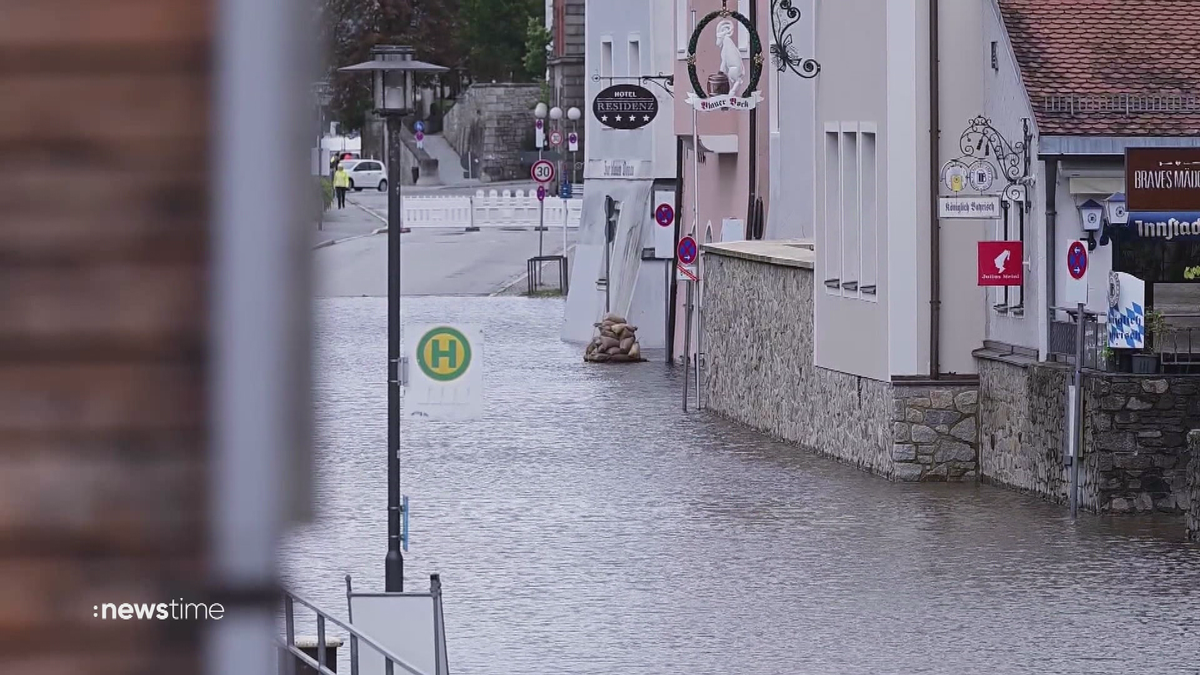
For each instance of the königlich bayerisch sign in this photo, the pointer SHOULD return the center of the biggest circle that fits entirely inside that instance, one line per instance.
(1162, 179)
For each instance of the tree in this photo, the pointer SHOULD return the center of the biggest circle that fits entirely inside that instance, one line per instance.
(350, 28)
(537, 39)
(494, 36)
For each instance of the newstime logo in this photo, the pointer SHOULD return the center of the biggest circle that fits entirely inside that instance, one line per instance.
(175, 610)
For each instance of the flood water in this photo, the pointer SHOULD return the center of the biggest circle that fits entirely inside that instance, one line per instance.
(586, 525)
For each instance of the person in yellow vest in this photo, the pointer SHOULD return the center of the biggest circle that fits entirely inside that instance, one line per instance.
(341, 183)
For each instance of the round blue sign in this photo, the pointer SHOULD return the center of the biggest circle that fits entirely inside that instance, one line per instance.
(687, 250)
(664, 215)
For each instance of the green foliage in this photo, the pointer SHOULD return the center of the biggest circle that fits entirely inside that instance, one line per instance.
(326, 193)
(1191, 272)
(494, 36)
(1156, 327)
(537, 39)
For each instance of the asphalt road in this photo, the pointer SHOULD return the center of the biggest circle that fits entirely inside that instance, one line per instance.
(433, 262)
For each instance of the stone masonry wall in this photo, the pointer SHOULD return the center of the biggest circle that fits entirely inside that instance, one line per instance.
(761, 373)
(1021, 417)
(493, 123)
(1137, 429)
(1193, 506)
(1135, 453)
(935, 432)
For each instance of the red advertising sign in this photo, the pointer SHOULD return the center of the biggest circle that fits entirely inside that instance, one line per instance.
(1001, 263)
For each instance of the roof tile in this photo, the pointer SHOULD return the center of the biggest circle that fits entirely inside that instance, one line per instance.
(1109, 67)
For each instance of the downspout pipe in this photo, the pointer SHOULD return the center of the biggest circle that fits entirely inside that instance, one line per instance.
(1051, 226)
(671, 310)
(751, 193)
(935, 224)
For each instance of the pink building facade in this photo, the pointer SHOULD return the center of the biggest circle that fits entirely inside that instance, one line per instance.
(728, 180)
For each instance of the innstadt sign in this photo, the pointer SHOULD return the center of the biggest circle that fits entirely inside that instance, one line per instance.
(725, 87)
(1162, 190)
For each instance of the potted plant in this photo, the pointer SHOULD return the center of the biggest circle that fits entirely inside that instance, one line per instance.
(1147, 363)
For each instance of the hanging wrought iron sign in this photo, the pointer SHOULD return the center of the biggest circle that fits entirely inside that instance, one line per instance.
(987, 155)
(725, 87)
(625, 106)
(785, 15)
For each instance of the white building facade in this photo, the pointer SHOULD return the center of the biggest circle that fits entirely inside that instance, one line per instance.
(628, 42)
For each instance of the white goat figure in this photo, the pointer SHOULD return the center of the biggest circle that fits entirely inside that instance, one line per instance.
(731, 58)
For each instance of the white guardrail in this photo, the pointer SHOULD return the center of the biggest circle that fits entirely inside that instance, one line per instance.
(491, 209)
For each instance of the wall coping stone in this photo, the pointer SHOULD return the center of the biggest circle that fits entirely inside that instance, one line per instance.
(785, 253)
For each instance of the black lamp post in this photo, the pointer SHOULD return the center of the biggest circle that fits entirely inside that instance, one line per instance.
(393, 68)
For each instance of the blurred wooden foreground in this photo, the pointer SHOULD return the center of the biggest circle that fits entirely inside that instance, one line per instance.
(104, 137)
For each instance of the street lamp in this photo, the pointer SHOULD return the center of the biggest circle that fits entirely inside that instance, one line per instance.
(394, 70)
(573, 114)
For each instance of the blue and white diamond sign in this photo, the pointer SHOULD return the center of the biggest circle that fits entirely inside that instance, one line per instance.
(1126, 311)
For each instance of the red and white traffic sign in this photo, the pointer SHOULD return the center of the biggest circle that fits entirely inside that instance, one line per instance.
(686, 273)
(664, 215)
(542, 171)
(688, 251)
(1077, 274)
(556, 138)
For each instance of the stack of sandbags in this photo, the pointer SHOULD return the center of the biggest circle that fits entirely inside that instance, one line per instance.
(616, 343)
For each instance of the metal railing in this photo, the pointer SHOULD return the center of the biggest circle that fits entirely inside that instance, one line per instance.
(320, 664)
(1095, 339)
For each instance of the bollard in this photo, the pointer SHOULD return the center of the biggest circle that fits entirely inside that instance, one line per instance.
(308, 645)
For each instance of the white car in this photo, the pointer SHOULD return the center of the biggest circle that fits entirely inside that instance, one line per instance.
(366, 173)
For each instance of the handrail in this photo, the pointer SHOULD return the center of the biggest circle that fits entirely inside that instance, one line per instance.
(289, 641)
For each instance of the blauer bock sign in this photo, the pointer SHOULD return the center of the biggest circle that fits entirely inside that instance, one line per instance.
(625, 106)
(1163, 226)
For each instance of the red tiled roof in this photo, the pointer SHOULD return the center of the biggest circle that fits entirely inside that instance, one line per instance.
(1084, 62)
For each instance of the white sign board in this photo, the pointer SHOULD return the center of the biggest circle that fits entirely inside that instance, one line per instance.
(984, 206)
(445, 373)
(733, 229)
(406, 624)
(663, 220)
(1126, 311)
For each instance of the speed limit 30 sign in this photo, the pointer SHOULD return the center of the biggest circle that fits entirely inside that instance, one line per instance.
(542, 171)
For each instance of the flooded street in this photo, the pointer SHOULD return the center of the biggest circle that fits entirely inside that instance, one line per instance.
(586, 525)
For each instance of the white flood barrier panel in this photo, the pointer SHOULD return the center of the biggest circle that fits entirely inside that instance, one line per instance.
(487, 209)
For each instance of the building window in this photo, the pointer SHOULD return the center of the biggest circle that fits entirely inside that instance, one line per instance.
(683, 30)
(560, 28)
(869, 204)
(606, 58)
(833, 214)
(1011, 227)
(635, 57)
(851, 222)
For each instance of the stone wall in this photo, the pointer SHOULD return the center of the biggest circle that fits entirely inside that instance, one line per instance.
(761, 373)
(491, 124)
(1135, 452)
(1193, 510)
(935, 431)
(1022, 417)
(1137, 428)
